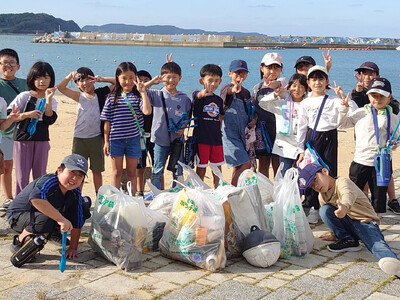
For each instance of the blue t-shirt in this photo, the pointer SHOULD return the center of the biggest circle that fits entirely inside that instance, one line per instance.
(47, 188)
(176, 105)
(207, 110)
(122, 122)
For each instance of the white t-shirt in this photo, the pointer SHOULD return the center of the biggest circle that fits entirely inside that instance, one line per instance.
(87, 124)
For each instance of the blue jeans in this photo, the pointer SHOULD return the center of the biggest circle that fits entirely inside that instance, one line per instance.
(287, 164)
(161, 154)
(347, 228)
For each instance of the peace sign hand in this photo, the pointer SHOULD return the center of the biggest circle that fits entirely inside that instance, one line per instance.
(360, 82)
(327, 59)
(140, 86)
(338, 90)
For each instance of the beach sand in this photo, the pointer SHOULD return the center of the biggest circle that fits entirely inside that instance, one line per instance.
(61, 135)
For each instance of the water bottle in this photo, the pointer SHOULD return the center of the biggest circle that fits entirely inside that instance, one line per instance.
(382, 167)
(28, 250)
(115, 238)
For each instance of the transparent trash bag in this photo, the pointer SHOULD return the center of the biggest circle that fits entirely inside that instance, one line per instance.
(291, 227)
(118, 228)
(195, 231)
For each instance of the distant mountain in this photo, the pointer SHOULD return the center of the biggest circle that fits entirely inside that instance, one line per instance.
(32, 23)
(158, 29)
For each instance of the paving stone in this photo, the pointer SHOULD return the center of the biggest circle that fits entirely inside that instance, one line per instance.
(309, 261)
(77, 294)
(271, 283)
(282, 293)
(295, 270)
(160, 287)
(146, 279)
(324, 272)
(364, 273)
(393, 288)
(236, 290)
(178, 273)
(219, 277)
(364, 254)
(358, 291)
(340, 262)
(161, 260)
(284, 276)
(32, 289)
(317, 285)
(326, 253)
(394, 244)
(71, 283)
(114, 284)
(380, 296)
(143, 295)
(207, 283)
(244, 268)
(186, 293)
(245, 279)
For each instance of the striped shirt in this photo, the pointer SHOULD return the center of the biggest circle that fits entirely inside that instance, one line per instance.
(122, 122)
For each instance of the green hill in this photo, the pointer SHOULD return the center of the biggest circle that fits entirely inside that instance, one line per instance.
(31, 23)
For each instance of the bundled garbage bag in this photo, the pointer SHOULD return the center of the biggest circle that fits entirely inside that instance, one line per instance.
(195, 231)
(118, 228)
(243, 208)
(291, 227)
(266, 187)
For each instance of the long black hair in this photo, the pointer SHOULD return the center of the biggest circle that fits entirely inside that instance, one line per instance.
(124, 67)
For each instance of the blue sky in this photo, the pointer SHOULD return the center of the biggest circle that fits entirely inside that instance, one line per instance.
(291, 17)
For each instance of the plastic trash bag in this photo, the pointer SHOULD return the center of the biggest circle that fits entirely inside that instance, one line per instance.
(291, 227)
(195, 231)
(118, 228)
(266, 187)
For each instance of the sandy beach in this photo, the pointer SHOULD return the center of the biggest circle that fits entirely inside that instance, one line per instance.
(61, 135)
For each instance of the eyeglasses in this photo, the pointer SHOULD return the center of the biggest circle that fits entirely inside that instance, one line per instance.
(9, 63)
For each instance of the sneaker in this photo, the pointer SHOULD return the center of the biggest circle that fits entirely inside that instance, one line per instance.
(345, 246)
(394, 206)
(313, 216)
(390, 265)
(56, 238)
(16, 245)
(5, 204)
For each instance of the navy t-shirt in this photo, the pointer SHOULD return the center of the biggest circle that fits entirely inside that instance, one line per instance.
(47, 188)
(207, 111)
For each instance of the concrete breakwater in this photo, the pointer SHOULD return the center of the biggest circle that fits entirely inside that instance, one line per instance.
(219, 41)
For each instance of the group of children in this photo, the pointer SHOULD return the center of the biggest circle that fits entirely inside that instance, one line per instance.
(276, 123)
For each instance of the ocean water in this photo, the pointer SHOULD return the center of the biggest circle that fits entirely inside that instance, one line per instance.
(103, 60)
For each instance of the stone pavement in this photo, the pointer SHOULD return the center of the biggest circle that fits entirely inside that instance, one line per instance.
(319, 275)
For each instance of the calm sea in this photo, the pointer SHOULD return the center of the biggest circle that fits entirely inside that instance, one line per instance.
(65, 58)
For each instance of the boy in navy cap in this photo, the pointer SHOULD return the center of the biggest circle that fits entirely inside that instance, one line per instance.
(348, 213)
(49, 203)
(362, 169)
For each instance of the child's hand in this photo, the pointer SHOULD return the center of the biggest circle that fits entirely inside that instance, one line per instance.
(360, 82)
(341, 212)
(33, 114)
(14, 113)
(106, 148)
(345, 101)
(274, 84)
(71, 253)
(74, 75)
(204, 93)
(300, 159)
(65, 225)
(140, 86)
(237, 86)
(327, 59)
(168, 58)
(338, 90)
(96, 78)
(180, 132)
(50, 93)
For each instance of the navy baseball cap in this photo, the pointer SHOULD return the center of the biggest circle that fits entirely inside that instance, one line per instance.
(368, 65)
(306, 60)
(381, 86)
(237, 65)
(76, 162)
(307, 175)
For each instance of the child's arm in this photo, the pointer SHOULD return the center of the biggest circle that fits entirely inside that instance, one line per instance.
(11, 118)
(146, 109)
(271, 102)
(46, 208)
(62, 87)
(106, 147)
(72, 250)
(156, 80)
(111, 80)
(49, 99)
(342, 209)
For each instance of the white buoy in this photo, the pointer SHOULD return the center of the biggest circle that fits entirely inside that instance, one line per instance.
(95, 59)
(149, 62)
(33, 55)
(192, 65)
(133, 61)
(115, 60)
(79, 58)
(58, 56)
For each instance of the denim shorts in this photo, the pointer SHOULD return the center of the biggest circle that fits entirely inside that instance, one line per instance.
(129, 147)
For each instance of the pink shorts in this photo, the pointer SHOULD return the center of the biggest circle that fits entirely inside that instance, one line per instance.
(209, 153)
